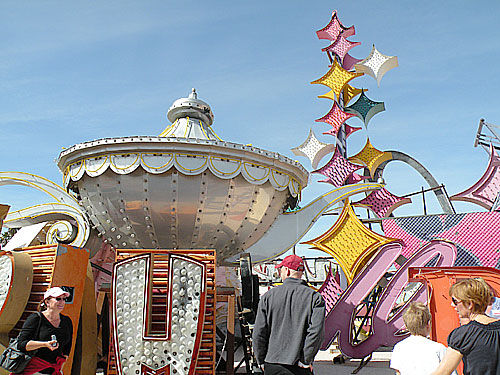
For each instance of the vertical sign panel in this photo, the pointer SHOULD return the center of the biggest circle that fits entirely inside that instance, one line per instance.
(139, 348)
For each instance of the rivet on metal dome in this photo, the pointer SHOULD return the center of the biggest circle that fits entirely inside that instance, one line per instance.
(190, 118)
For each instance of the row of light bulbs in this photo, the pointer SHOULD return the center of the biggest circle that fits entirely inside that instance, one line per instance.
(186, 286)
(5, 278)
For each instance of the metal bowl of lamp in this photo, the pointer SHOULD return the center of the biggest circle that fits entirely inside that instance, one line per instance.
(186, 188)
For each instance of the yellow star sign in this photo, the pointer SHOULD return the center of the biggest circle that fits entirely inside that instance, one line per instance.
(336, 78)
(348, 91)
(370, 157)
(350, 242)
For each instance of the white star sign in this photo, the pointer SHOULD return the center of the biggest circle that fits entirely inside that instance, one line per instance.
(313, 149)
(376, 64)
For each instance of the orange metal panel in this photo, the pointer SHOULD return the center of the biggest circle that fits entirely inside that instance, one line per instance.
(70, 270)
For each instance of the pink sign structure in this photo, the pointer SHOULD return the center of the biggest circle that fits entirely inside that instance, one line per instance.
(334, 29)
(336, 117)
(382, 202)
(337, 170)
(384, 328)
(350, 129)
(354, 178)
(341, 46)
(349, 62)
(474, 234)
(486, 189)
(331, 290)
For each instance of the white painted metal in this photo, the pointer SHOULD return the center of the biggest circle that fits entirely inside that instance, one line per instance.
(290, 227)
(24, 236)
(65, 208)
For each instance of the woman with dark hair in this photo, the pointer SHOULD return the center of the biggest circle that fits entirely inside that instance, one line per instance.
(477, 343)
(49, 333)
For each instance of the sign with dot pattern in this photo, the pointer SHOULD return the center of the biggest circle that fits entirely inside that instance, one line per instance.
(139, 351)
(5, 278)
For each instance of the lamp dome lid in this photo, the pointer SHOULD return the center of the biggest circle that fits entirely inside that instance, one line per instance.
(191, 107)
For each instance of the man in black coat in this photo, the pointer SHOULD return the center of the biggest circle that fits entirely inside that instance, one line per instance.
(289, 327)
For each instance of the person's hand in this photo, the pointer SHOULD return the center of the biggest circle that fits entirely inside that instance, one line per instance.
(302, 365)
(51, 346)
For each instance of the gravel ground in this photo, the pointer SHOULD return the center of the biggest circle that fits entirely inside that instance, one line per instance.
(379, 365)
(328, 368)
(323, 365)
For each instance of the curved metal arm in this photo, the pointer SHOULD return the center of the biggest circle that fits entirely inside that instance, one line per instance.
(65, 208)
(290, 227)
(442, 198)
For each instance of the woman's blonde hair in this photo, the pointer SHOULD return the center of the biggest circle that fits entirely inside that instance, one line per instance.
(417, 317)
(475, 291)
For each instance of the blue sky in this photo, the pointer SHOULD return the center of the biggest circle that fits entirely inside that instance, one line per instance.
(76, 71)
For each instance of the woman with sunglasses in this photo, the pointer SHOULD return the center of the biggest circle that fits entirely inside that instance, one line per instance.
(477, 343)
(49, 333)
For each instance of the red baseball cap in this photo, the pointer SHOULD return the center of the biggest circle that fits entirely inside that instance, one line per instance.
(293, 262)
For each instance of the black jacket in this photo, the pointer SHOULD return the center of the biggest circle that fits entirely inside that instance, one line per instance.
(290, 324)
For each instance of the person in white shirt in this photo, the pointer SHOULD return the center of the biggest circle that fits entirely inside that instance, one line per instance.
(417, 355)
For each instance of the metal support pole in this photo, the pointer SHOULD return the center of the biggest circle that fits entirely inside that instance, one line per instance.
(423, 200)
(231, 302)
(227, 294)
(447, 196)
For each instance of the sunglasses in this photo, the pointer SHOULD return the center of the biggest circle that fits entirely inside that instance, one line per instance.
(455, 301)
(60, 298)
